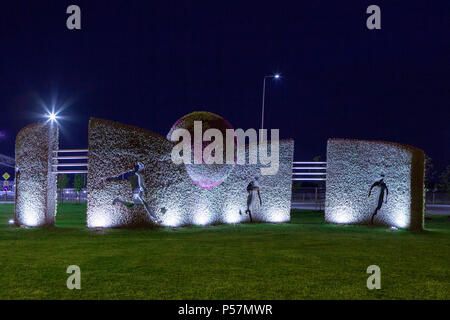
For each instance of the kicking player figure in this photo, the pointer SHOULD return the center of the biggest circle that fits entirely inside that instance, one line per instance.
(138, 192)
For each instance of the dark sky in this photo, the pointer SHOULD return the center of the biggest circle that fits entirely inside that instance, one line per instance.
(147, 63)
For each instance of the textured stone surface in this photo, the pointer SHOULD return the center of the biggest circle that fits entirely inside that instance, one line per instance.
(354, 165)
(115, 148)
(35, 203)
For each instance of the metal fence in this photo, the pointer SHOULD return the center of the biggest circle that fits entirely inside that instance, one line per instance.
(437, 197)
(6, 196)
(303, 194)
(65, 195)
(312, 194)
(70, 195)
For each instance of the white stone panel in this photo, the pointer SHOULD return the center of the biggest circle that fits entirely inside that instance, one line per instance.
(35, 202)
(352, 168)
(115, 148)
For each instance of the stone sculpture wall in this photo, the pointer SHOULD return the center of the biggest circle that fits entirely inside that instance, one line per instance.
(353, 166)
(35, 203)
(115, 149)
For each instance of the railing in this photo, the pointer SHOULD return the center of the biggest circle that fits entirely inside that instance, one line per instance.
(80, 154)
(309, 171)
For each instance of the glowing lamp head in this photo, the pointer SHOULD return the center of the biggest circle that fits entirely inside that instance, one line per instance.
(52, 116)
(276, 76)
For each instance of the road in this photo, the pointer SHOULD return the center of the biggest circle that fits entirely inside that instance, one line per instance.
(442, 209)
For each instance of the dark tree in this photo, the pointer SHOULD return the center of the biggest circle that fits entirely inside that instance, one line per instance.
(444, 180)
(63, 181)
(78, 184)
(430, 174)
(296, 186)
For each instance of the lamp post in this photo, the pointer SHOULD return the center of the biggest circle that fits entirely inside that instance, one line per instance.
(275, 76)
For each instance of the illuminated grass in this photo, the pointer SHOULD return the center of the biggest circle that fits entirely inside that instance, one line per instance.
(305, 259)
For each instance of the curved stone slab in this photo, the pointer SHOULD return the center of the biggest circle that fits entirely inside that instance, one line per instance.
(115, 149)
(35, 203)
(353, 166)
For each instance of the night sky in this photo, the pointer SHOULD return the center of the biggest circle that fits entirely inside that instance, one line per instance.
(147, 63)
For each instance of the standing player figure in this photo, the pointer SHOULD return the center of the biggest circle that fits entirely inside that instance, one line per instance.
(380, 183)
(138, 191)
(252, 189)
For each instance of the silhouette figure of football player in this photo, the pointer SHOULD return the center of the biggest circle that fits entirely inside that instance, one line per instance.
(137, 182)
(383, 188)
(253, 190)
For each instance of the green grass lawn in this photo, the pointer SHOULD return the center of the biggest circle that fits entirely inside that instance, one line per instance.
(304, 259)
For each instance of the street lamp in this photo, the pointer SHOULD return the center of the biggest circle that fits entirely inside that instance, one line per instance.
(52, 116)
(275, 76)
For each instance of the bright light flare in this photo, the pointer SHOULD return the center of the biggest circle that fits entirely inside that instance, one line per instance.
(52, 116)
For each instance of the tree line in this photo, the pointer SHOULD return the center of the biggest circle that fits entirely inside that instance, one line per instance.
(64, 181)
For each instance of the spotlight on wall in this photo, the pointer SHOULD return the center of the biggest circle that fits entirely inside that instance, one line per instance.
(100, 220)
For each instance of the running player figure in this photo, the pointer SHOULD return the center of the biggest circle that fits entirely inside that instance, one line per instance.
(380, 183)
(252, 189)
